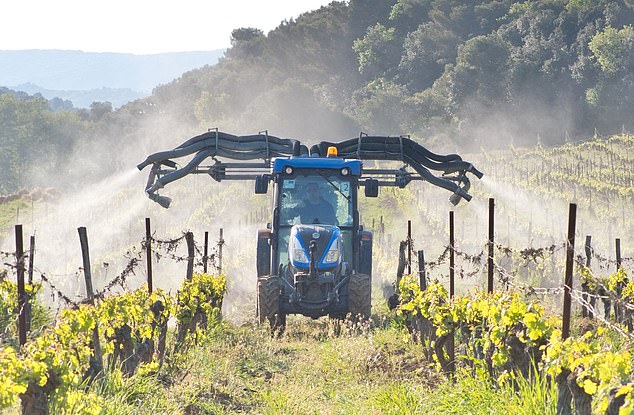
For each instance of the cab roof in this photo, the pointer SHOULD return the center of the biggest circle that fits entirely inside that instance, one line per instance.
(306, 162)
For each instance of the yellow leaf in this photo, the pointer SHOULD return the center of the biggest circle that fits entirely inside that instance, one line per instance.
(589, 387)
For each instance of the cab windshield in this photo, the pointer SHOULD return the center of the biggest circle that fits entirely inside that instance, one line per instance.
(324, 199)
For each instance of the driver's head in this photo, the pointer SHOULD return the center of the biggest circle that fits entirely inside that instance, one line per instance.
(313, 192)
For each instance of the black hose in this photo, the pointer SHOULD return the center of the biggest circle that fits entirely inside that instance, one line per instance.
(380, 148)
(249, 148)
(266, 147)
(177, 174)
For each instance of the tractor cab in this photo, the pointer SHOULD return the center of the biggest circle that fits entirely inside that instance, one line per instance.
(315, 191)
(313, 247)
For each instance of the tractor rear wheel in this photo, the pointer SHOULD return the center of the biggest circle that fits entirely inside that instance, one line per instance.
(360, 295)
(269, 302)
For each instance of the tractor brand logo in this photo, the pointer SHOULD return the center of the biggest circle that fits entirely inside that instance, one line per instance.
(316, 235)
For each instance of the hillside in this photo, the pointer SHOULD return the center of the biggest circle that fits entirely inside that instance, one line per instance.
(455, 76)
(472, 74)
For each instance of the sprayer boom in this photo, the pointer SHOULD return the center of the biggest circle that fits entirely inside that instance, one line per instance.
(215, 144)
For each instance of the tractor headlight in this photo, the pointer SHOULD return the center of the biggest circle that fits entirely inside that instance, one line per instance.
(299, 255)
(332, 255)
(297, 251)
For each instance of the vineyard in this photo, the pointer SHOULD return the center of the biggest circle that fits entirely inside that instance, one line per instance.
(475, 325)
(126, 333)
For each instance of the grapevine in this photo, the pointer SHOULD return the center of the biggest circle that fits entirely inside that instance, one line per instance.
(54, 366)
(508, 335)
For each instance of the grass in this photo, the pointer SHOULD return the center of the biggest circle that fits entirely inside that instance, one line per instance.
(475, 395)
(317, 367)
(323, 366)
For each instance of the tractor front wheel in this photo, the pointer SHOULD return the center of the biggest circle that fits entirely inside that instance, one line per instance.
(360, 295)
(269, 303)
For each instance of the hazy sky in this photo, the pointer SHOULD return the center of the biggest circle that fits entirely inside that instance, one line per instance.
(138, 26)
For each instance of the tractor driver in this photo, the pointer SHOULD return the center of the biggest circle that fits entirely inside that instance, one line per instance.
(315, 209)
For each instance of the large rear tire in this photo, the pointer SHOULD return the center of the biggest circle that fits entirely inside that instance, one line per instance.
(269, 303)
(360, 295)
(263, 254)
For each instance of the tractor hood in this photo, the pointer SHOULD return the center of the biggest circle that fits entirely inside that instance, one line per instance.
(324, 241)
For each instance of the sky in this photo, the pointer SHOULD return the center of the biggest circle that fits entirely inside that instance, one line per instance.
(139, 26)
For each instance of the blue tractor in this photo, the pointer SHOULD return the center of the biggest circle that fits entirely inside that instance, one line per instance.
(314, 258)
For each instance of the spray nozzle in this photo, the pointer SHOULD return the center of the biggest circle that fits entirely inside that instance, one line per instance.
(475, 171)
(454, 199)
(164, 201)
(459, 194)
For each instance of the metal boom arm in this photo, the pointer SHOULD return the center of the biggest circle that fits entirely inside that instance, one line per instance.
(214, 144)
(454, 169)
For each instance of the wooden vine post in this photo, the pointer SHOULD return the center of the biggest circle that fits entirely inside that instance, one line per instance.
(452, 255)
(570, 256)
(31, 258)
(618, 253)
(189, 238)
(206, 252)
(409, 247)
(148, 253)
(491, 245)
(618, 308)
(22, 297)
(402, 263)
(585, 310)
(421, 271)
(221, 242)
(452, 248)
(97, 362)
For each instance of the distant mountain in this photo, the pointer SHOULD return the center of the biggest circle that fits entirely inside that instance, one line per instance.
(109, 75)
(83, 98)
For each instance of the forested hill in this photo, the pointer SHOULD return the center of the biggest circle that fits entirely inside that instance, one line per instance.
(460, 74)
(466, 69)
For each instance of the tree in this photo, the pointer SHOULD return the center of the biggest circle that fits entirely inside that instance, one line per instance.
(612, 97)
(378, 51)
(245, 34)
(382, 106)
(481, 70)
(245, 42)
(407, 15)
(426, 51)
(613, 49)
(98, 110)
